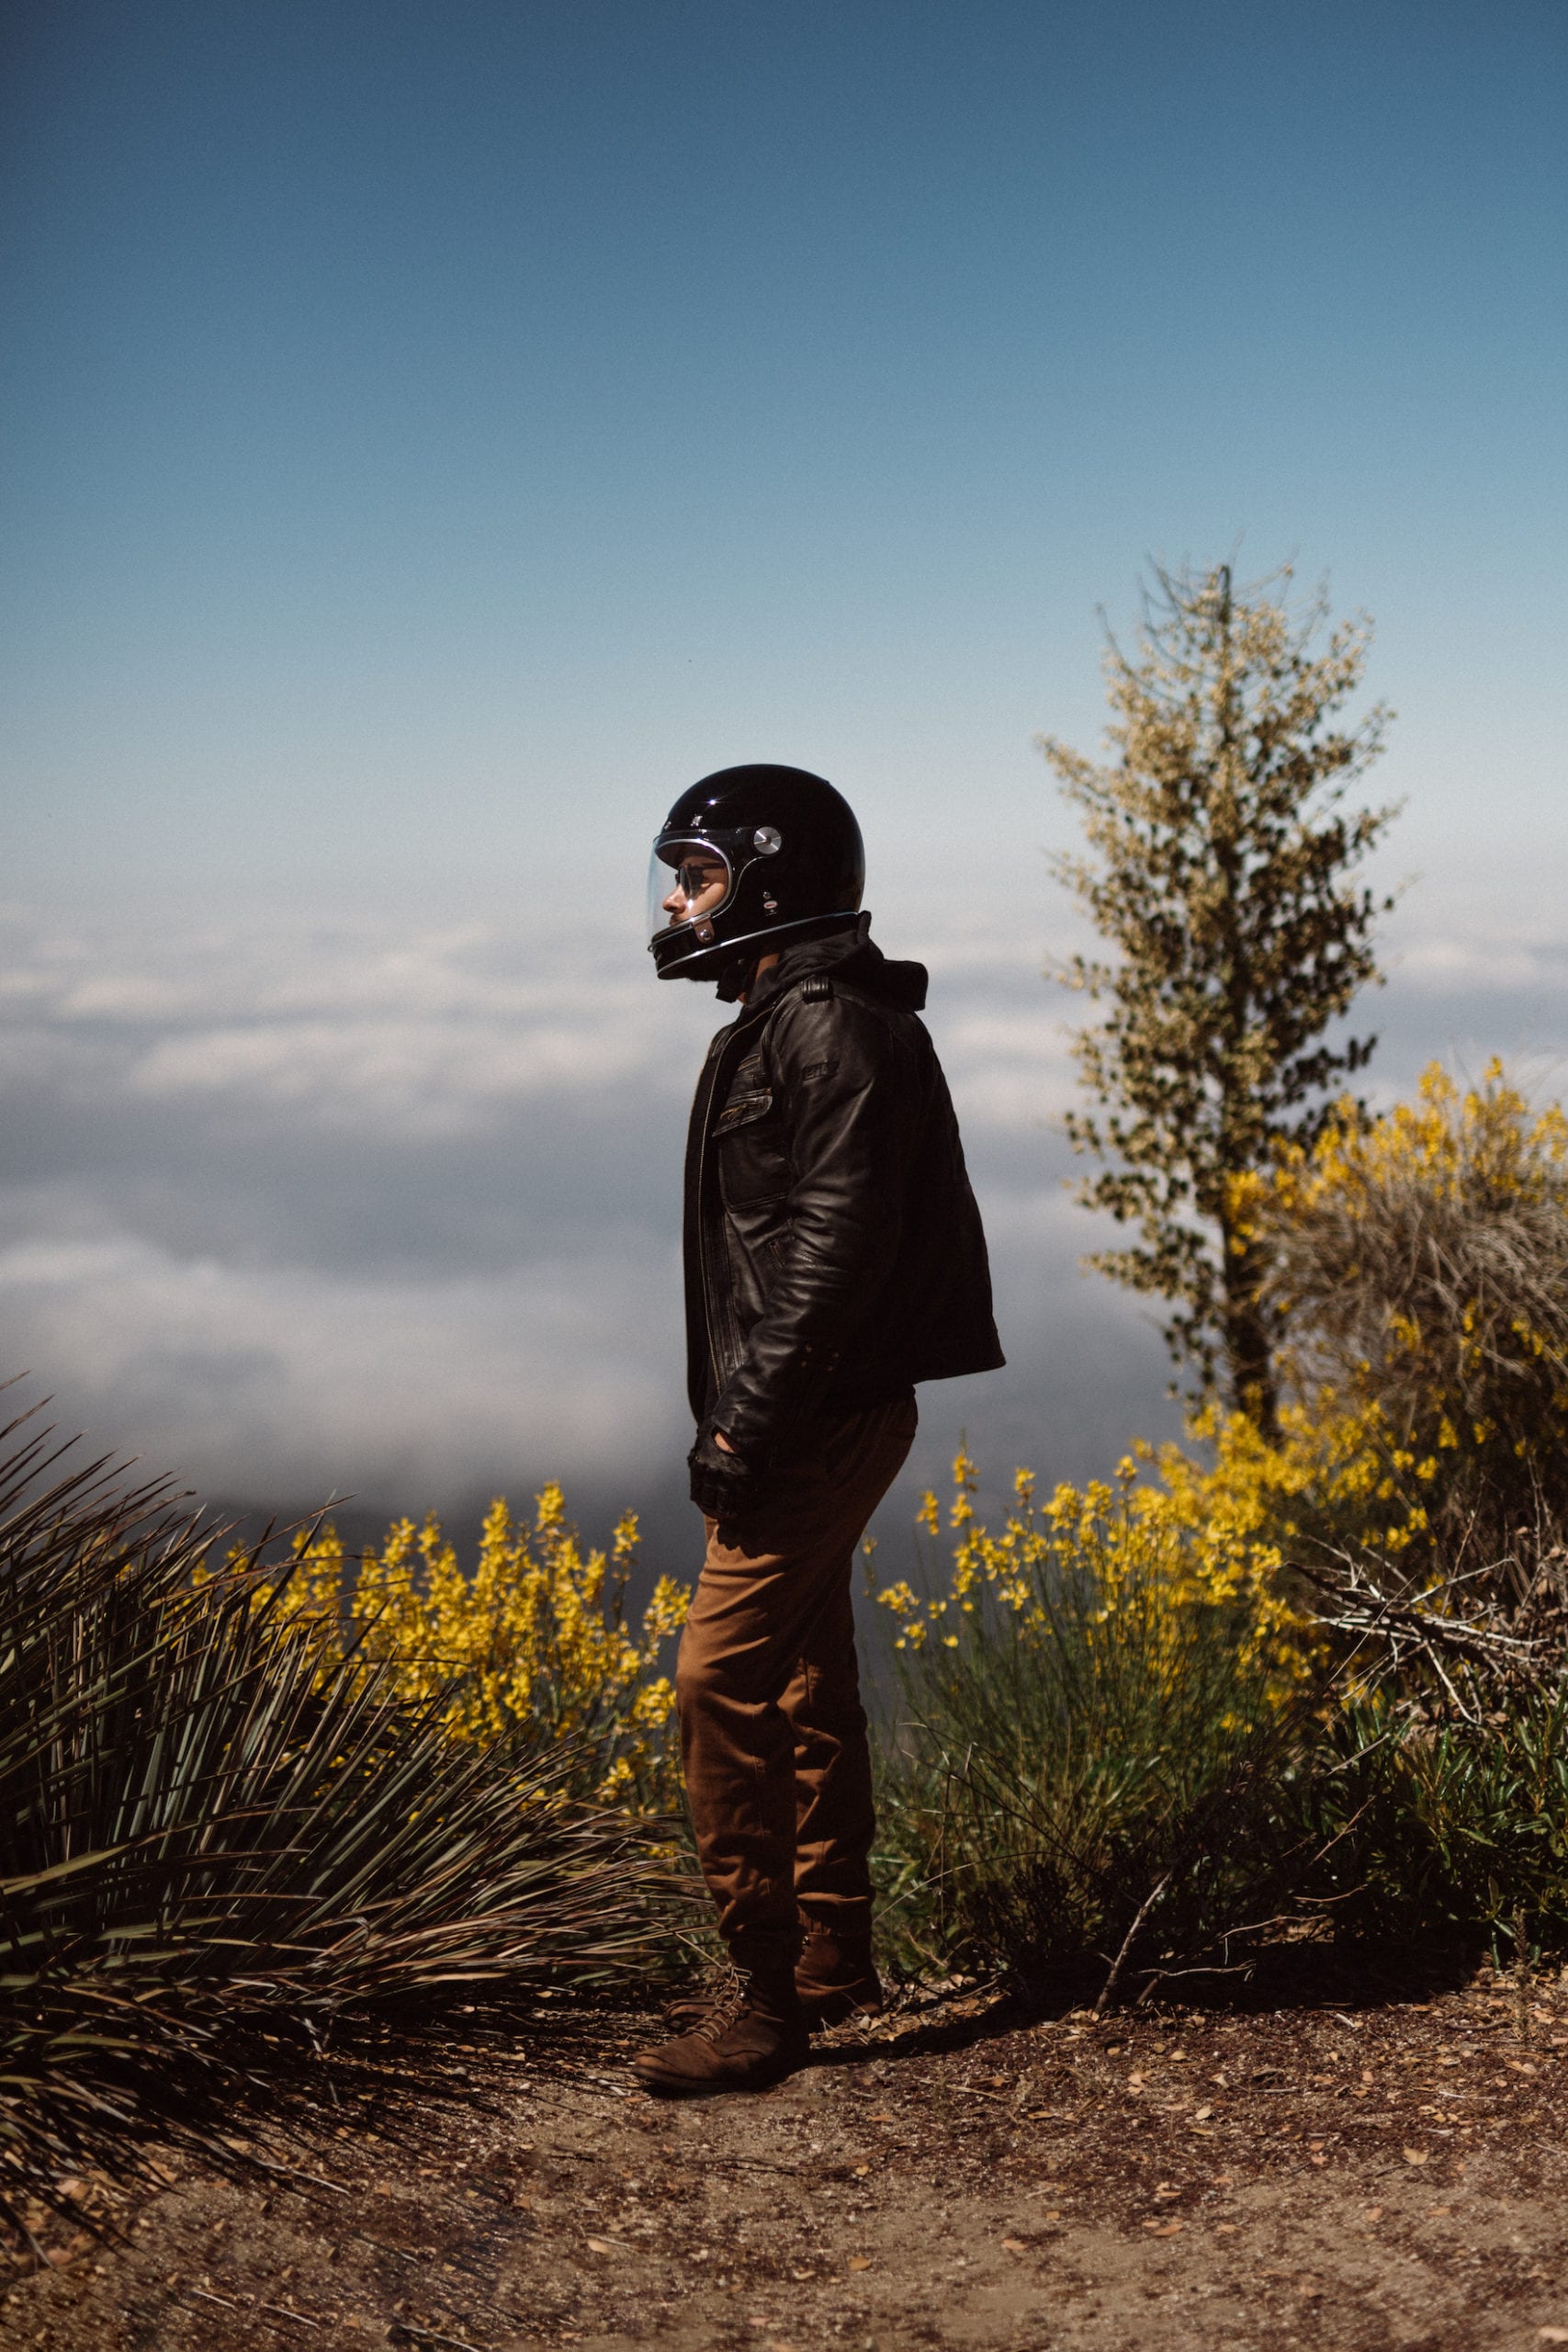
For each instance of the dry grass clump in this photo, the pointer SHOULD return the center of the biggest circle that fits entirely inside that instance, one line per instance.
(219, 1843)
(1419, 1263)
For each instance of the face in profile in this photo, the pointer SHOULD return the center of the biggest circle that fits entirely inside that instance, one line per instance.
(701, 880)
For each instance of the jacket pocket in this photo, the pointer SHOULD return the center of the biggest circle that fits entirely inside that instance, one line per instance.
(749, 1148)
(743, 1111)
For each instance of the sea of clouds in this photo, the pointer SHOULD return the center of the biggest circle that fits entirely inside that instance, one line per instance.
(299, 1206)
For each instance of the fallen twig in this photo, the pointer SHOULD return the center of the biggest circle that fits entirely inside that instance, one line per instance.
(1362, 1608)
(1172, 1975)
(1144, 1907)
(407, 2331)
(254, 2303)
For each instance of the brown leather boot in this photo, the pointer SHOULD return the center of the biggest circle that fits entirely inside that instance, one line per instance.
(836, 1976)
(750, 2033)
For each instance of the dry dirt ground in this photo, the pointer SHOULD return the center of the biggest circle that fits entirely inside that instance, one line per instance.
(1364, 2176)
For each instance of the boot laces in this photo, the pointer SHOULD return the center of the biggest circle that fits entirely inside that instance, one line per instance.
(729, 1996)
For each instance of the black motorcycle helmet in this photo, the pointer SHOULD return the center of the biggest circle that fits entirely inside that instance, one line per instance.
(749, 860)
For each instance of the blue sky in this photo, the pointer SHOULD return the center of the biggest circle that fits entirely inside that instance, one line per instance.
(435, 434)
(420, 419)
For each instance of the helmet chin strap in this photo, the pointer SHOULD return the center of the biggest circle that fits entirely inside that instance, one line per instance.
(738, 980)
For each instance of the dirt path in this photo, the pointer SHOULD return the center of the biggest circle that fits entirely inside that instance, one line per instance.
(1392, 2175)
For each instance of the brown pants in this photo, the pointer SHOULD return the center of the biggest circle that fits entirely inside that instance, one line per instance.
(773, 1733)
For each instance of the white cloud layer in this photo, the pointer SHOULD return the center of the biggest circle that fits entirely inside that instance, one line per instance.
(268, 1379)
(297, 1208)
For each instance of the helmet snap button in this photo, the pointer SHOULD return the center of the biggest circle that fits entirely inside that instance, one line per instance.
(766, 840)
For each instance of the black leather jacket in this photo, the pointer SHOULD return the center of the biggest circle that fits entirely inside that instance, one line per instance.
(833, 1249)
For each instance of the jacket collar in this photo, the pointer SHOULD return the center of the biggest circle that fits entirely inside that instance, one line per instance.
(851, 955)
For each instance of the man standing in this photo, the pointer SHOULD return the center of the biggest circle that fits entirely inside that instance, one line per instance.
(834, 1258)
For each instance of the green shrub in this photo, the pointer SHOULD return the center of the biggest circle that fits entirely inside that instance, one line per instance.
(1115, 1763)
(1454, 1831)
(1084, 1771)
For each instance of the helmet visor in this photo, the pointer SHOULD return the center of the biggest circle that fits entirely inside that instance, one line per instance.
(688, 882)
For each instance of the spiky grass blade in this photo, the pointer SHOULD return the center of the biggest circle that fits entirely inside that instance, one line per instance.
(212, 1824)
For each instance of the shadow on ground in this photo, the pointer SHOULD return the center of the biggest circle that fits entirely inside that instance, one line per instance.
(1343, 2154)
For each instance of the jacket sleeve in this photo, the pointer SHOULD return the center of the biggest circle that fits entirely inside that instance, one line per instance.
(845, 1100)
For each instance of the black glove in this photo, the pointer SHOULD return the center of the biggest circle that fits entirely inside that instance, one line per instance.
(722, 1485)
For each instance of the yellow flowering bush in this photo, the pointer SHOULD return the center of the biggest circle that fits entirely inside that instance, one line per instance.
(1329, 1475)
(1119, 1749)
(1096, 1718)
(1170, 1552)
(1421, 1260)
(1420, 1263)
(536, 1637)
(1124, 1735)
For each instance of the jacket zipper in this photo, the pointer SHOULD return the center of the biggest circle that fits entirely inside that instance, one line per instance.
(741, 1029)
